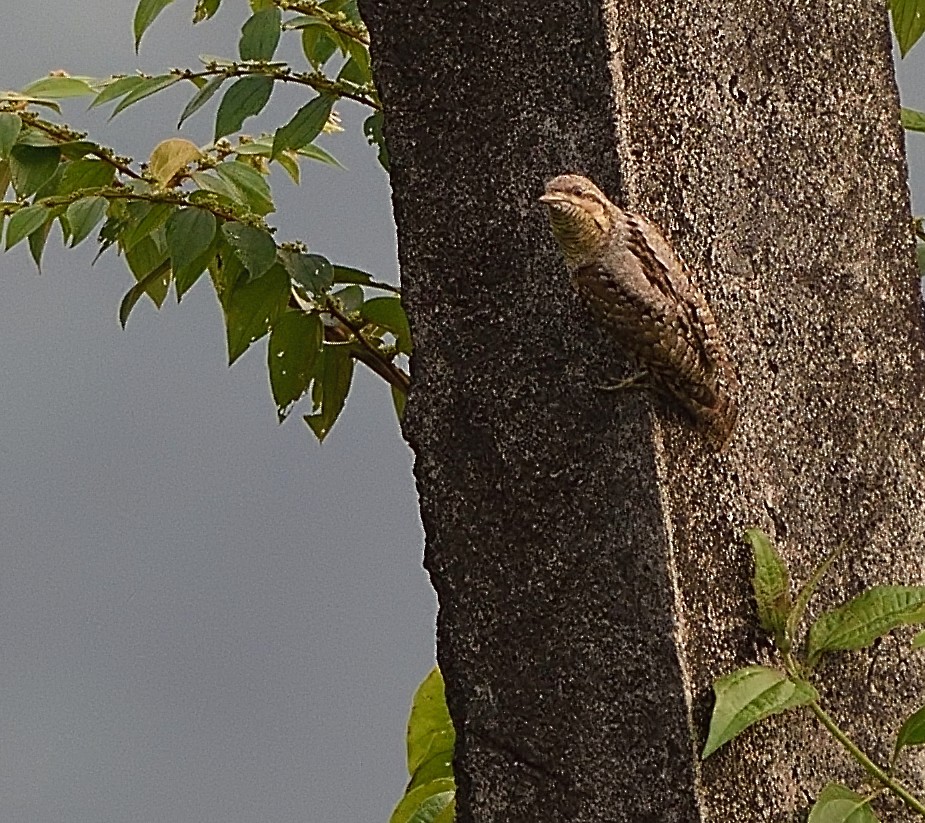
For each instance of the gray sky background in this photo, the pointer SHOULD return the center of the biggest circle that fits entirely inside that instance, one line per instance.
(203, 616)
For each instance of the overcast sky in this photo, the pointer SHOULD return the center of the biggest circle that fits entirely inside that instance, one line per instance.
(203, 616)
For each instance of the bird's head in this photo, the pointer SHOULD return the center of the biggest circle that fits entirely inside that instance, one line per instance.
(581, 217)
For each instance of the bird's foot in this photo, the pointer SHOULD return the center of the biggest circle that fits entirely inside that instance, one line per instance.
(637, 380)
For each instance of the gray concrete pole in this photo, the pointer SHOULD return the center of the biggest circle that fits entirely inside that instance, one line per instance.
(586, 546)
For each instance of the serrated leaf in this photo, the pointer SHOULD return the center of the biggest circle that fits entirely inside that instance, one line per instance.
(31, 167)
(10, 127)
(146, 218)
(808, 589)
(201, 97)
(190, 233)
(749, 695)
(83, 216)
(23, 222)
(85, 173)
(143, 286)
(252, 309)
(58, 88)
(425, 803)
(293, 353)
(255, 248)
(311, 271)
(771, 587)
(251, 184)
(305, 126)
(868, 616)
(388, 313)
(838, 804)
(333, 384)
(170, 156)
(145, 14)
(908, 22)
(147, 87)
(260, 35)
(430, 729)
(116, 88)
(245, 98)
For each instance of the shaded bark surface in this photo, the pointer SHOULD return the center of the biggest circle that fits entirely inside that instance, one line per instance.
(586, 546)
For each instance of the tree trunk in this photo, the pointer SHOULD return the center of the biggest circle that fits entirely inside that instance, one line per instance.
(586, 546)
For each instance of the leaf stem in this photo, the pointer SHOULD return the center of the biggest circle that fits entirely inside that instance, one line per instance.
(893, 785)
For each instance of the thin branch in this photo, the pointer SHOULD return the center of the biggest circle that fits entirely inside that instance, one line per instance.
(336, 20)
(315, 79)
(377, 361)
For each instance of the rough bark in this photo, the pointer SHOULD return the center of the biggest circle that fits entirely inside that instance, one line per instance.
(586, 546)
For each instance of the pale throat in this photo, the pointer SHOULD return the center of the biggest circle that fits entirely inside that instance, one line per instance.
(580, 234)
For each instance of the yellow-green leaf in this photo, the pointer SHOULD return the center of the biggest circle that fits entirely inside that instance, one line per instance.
(170, 156)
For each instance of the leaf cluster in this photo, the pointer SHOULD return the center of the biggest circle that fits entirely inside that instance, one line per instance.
(751, 694)
(192, 211)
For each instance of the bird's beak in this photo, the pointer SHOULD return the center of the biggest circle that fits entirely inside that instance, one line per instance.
(551, 197)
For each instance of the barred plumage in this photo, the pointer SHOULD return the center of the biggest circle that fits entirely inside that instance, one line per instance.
(639, 290)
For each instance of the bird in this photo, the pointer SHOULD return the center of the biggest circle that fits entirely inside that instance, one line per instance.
(640, 291)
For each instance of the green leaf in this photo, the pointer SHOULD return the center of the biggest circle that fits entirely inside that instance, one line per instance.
(10, 126)
(293, 353)
(37, 242)
(357, 69)
(908, 22)
(346, 274)
(201, 97)
(260, 35)
(207, 181)
(255, 248)
(313, 152)
(160, 275)
(311, 271)
(868, 616)
(145, 14)
(430, 730)
(85, 173)
(83, 216)
(918, 641)
(399, 400)
(838, 804)
(253, 308)
(147, 87)
(23, 222)
(388, 313)
(749, 695)
(205, 9)
(116, 88)
(318, 44)
(190, 233)
(333, 384)
(305, 126)
(425, 803)
(31, 167)
(809, 588)
(58, 88)
(448, 815)
(146, 218)
(372, 128)
(912, 120)
(771, 587)
(912, 732)
(251, 184)
(246, 97)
